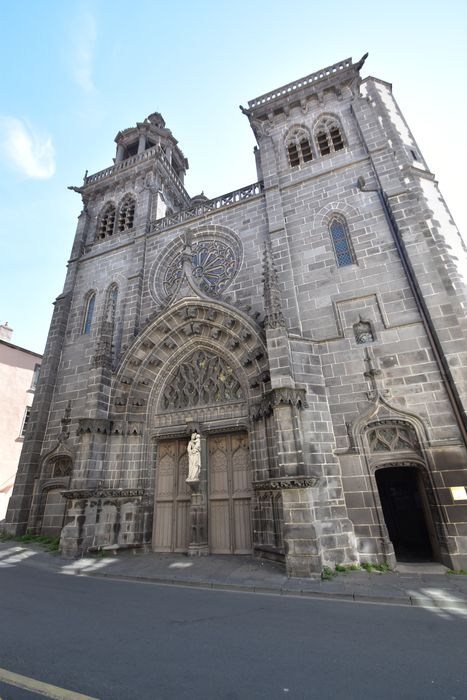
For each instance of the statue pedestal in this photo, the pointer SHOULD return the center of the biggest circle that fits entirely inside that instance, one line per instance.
(198, 522)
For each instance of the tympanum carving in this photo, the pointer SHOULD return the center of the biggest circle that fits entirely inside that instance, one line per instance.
(202, 380)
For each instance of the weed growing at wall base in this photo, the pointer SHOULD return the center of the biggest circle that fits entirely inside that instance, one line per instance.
(51, 544)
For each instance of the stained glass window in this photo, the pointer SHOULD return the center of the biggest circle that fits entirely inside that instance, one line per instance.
(341, 242)
(213, 263)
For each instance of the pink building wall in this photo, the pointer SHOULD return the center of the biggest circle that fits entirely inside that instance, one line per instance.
(17, 380)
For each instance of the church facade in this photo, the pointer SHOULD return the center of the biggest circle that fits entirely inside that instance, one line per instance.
(299, 344)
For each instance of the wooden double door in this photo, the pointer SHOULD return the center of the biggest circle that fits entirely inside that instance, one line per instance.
(227, 487)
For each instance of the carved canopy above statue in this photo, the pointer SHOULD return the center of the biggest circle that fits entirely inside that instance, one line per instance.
(202, 380)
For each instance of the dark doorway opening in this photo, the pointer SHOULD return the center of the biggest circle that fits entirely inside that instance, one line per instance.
(402, 496)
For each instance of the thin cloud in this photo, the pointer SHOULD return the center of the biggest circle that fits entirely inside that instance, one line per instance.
(25, 149)
(83, 51)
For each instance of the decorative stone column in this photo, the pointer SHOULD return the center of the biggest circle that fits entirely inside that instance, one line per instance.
(120, 154)
(198, 523)
(198, 508)
(142, 143)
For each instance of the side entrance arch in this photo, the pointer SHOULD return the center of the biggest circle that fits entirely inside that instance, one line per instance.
(50, 504)
(406, 512)
(410, 519)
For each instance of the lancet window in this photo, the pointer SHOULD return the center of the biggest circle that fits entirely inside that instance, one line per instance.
(89, 312)
(341, 241)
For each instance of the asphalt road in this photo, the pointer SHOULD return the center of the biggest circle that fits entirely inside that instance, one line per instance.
(117, 640)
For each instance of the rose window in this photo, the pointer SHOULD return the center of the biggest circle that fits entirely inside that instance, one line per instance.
(214, 267)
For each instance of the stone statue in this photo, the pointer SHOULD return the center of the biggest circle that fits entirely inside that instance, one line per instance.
(194, 457)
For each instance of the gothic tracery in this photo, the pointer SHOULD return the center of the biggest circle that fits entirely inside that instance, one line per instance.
(203, 379)
(214, 267)
(392, 437)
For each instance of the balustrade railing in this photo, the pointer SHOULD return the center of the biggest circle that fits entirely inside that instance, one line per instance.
(127, 163)
(133, 160)
(297, 84)
(209, 205)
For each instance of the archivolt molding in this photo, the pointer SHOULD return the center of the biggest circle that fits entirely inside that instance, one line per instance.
(409, 461)
(324, 116)
(188, 325)
(295, 128)
(324, 215)
(54, 484)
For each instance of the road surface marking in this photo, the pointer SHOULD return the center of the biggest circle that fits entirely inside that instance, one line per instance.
(50, 691)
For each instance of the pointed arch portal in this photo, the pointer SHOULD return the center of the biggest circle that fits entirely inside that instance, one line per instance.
(201, 363)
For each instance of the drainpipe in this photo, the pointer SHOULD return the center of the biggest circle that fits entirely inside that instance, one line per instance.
(440, 359)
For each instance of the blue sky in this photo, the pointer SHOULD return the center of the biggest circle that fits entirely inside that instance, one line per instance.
(74, 73)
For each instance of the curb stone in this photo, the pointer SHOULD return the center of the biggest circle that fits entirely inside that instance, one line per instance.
(404, 600)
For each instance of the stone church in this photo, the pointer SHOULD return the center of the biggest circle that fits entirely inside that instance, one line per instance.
(304, 336)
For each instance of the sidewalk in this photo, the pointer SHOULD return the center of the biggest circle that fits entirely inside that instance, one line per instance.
(426, 585)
